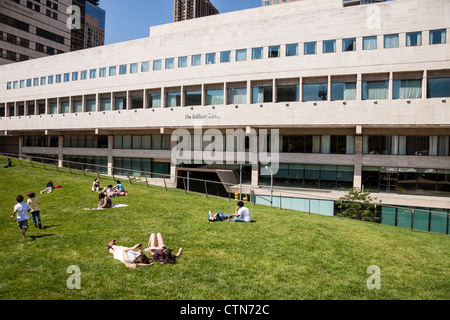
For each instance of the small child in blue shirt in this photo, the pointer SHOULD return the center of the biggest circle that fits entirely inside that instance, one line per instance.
(21, 209)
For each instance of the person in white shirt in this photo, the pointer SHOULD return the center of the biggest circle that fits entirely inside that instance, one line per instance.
(242, 214)
(21, 209)
(128, 256)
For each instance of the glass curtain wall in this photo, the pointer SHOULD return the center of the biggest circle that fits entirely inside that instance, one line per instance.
(310, 176)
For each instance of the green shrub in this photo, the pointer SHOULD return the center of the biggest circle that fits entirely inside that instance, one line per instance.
(358, 205)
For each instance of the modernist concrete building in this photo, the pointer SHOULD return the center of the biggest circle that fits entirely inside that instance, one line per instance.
(191, 9)
(356, 96)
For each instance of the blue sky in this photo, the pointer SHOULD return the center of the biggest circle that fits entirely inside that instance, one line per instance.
(131, 19)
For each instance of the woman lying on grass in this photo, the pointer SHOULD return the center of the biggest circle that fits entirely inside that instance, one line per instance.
(160, 253)
(129, 257)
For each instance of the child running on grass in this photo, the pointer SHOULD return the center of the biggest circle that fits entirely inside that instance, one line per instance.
(35, 212)
(22, 209)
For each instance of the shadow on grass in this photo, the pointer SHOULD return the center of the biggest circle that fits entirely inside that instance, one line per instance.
(33, 238)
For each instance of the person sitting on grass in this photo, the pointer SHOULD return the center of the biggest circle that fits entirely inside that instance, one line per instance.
(104, 201)
(109, 191)
(242, 214)
(8, 163)
(95, 186)
(128, 256)
(219, 216)
(22, 209)
(120, 189)
(160, 252)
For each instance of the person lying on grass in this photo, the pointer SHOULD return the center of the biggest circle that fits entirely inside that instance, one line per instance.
(128, 256)
(159, 252)
(219, 216)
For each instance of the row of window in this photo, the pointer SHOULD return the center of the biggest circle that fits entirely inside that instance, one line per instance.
(10, 38)
(418, 181)
(36, 7)
(374, 179)
(324, 144)
(13, 56)
(146, 142)
(328, 46)
(122, 166)
(287, 90)
(26, 27)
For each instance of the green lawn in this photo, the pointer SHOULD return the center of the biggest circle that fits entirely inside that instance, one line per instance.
(283, 254)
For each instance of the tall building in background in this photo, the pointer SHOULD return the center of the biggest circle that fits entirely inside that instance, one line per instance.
(92, 31)
(191, 9)
(33, 29)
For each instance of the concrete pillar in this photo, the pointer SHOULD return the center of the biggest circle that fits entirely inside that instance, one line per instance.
(20, 146)
(391, 86)
(274, 91)
(249, 92)
(110, 155)
(357, 174)
(183, 97)
(60, 151)
(173, 165)
(359, 86)
(163, 98)
(425, 84)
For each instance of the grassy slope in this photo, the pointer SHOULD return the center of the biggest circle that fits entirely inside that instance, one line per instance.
(282, 255)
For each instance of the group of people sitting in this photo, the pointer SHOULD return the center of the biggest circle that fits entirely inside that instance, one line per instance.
(134, 259)
(104, 196)
(110, 190)
(241, 214)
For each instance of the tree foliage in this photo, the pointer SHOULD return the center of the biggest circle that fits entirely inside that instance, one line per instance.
(358, 205)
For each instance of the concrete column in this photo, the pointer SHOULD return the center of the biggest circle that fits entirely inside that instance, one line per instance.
(225, 93)
(60, 151)
(203, 95)
(97, 102)
(357, 174)
(144, 99)
(391, 85)
(329, 89)
(359, 86)
(173, 166)
(163, 98)
(183, 97)
(425, 84)
(274, 91)
(110, 155)
(20, 146)
(249, 92)
(255, 159)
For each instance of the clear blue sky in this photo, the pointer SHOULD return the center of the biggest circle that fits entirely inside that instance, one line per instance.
(132, 19)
